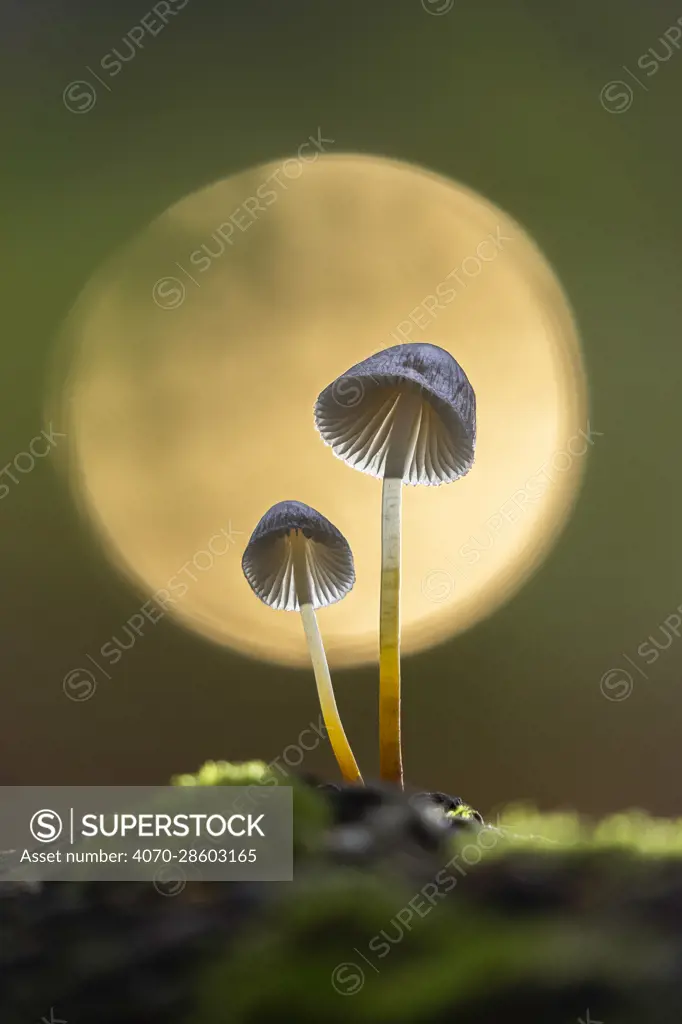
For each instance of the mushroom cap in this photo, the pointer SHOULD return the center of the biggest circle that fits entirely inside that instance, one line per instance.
(355, 413)
(268, 561)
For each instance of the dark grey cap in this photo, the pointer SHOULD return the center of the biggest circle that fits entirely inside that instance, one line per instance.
(268, 561)
(354, 414)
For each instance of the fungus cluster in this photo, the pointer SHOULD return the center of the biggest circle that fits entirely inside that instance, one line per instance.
(412, 421)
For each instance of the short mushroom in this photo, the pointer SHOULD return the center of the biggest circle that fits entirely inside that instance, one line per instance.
(407, 414)
(296, 560)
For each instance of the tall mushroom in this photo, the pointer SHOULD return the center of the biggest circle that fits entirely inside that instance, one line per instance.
(296, 560)
(406, 414)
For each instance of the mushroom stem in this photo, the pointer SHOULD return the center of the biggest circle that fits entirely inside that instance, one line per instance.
(404, 433)
(390, 756)
(325, 691)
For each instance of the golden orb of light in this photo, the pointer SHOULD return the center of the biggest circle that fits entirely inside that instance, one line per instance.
(192, 361)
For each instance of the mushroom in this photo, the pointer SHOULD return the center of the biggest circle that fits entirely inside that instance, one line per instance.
(296, 560)
(406, 414)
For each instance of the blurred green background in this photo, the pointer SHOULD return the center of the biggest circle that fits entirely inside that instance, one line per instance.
(504, 97)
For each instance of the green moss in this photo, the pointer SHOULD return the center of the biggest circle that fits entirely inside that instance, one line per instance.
(336, 950)
(225, 773)
(463, 812)
(632, 831)
(311, 814)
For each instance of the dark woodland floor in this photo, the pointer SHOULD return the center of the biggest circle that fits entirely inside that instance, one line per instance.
(405, 909)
